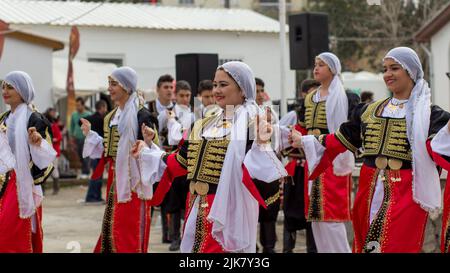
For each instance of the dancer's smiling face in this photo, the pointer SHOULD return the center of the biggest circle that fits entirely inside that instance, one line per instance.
(226, 91)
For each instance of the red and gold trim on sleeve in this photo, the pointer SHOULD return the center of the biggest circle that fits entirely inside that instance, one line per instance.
(333, 148)
(339, 136)
(250, 185)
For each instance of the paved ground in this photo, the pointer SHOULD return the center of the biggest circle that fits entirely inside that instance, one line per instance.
(71, 226)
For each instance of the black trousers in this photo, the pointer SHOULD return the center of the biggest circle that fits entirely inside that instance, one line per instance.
(175, 226)
(165, 224)
(289, 239)
(268, 236)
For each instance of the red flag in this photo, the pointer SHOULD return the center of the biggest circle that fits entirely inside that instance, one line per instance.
(3, 28)
(74, 45)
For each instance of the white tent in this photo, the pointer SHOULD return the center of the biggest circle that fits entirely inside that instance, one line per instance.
(89, 77)
(366, 81)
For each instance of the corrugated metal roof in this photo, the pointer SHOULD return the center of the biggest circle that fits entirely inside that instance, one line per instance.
(134, 16)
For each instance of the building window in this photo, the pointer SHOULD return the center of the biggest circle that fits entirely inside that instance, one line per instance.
(272, 3)
(186, 2)
(116, 61)
(222, 61)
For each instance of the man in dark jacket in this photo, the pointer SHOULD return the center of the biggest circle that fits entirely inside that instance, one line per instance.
(94, 193)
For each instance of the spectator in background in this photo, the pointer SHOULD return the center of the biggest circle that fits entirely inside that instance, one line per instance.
(205, 89)
(208, 105)
(94, 193)
(259, 91)
(367, 97)
(179, 120)
(306, 87)
(174, 97)
(292, 117)
(52, 117)
(269, 191)
(294, 186)
(77, 135)
(165, 91)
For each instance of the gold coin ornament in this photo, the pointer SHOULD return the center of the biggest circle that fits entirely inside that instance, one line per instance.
(192, 187)
(381, 162)
(226, 124)
(201, 188)
(395, 164)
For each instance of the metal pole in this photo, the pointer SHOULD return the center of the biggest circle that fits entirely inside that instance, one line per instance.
(282, 18)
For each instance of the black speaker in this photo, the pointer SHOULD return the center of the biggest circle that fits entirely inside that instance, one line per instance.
(194, 68)
(308, 37)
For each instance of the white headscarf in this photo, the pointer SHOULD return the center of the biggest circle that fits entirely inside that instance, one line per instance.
(234, 212)
(337, 111)
(127, 172)
(426, 186)
(29, 195)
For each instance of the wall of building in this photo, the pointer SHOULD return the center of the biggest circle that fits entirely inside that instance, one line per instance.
(152, 52)
(36, 61)
(440, 47)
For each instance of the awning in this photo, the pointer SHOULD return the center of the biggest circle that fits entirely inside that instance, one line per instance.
(366, 81)
(89, 77)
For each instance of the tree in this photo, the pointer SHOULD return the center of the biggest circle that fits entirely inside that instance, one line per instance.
(363, 33)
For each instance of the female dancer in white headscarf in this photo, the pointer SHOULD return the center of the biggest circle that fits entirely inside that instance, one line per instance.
(220, 160)
(26, 157)
(328, 199)
(126, 223)
(399, 182)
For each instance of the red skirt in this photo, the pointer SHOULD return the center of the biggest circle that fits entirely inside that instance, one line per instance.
(16, 234)
(399, 225)
(204, 242)
(126, 226)
(329, 199)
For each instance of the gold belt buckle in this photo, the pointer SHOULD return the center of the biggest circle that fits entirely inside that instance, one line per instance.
(201, 188)
(314, 132)
(395, 164)
(381, 162)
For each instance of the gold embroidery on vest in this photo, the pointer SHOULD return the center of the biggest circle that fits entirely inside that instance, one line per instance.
(384, 136)
(205, 160)
(111, 135)
(315, 113)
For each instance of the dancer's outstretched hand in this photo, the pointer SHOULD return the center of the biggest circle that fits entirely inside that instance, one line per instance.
(85, 126)
(148, 134)
(295, 138)
(264, 127)
(34, 137)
